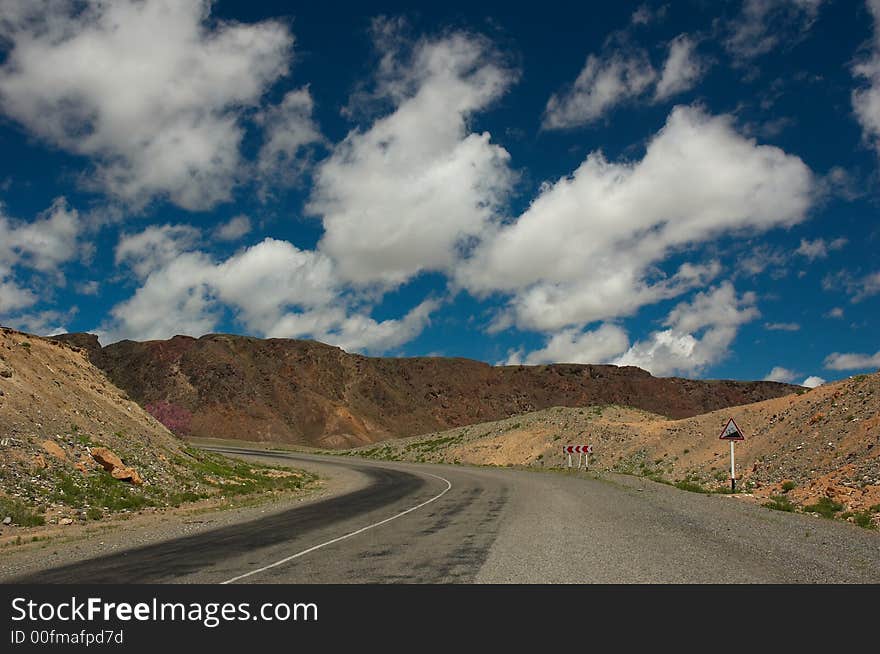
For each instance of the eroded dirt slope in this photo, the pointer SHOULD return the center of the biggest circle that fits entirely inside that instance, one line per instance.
(57, 410)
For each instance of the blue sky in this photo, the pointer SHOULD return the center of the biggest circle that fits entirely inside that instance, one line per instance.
(689, 187)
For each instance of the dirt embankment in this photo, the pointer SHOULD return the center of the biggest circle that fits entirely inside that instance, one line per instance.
(303, 392)
(822, 443)
(73, 447)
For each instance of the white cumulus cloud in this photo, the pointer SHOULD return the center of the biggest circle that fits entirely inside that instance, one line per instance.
(602, 84)
(852, 361)
(763, 25)
(44, 243)
(234, 228)
(819, 248)
(12, 296)
(587, 247)
(155, 247)
(152, 90)
(576, 346)
(356, 331)
(780, 374)
(264, 280)
(287, 129)
(866, 99)
(273, 289)
(410, 192)
(682, 70)
(699, 333)
(33, 254)
(857, 287)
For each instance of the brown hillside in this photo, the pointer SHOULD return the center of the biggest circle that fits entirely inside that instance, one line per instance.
(306, 392)
(825, 442)
(57, 411)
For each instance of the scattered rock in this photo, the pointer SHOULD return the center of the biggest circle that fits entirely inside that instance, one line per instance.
(65, 521)
(84, 465)
(5, 370)
(107, 458)
(54, 449)
(127, 474)
(114, 465)
(7, 520)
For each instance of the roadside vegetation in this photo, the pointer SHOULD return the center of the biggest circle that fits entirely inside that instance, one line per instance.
(198, 475)
(780, 503)
(19, 513)
(417, 450)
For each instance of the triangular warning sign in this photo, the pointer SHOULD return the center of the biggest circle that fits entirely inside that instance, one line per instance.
(732, 432)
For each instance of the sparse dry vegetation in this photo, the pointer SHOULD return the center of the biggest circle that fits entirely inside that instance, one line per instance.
(813, 451)
(55, 408)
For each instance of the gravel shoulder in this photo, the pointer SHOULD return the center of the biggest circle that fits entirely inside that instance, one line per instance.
(612, 528)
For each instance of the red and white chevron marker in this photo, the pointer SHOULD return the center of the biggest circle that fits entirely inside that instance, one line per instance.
(580, 450)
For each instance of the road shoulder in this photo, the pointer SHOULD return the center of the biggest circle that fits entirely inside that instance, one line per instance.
(63, 545)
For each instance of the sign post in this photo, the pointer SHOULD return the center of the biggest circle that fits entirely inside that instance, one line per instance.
(583, 452)
(732, 433)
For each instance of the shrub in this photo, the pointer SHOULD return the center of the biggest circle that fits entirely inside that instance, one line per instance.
(788, 485)
(779, 503)
(690, 486)
(20, 513)
(826, 507)
(176, 418)
(863, 519)
(98, 489)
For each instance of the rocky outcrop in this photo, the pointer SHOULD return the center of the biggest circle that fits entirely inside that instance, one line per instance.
(306, 392)
(114, 465)
(88, 343)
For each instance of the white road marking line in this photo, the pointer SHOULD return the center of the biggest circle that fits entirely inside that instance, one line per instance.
(349, 535)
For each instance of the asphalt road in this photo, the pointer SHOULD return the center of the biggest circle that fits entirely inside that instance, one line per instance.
(397, 522)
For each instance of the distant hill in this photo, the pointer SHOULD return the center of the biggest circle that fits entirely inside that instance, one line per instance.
(814, 446)
(309, 393)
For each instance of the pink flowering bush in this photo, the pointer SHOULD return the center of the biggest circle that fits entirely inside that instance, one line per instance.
(176, 418)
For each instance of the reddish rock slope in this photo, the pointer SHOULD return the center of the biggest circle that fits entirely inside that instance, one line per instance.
(306, 392)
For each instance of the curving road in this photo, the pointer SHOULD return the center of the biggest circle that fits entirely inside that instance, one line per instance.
(399, 522)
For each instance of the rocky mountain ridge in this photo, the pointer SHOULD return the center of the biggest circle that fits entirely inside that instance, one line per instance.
(304, 392)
